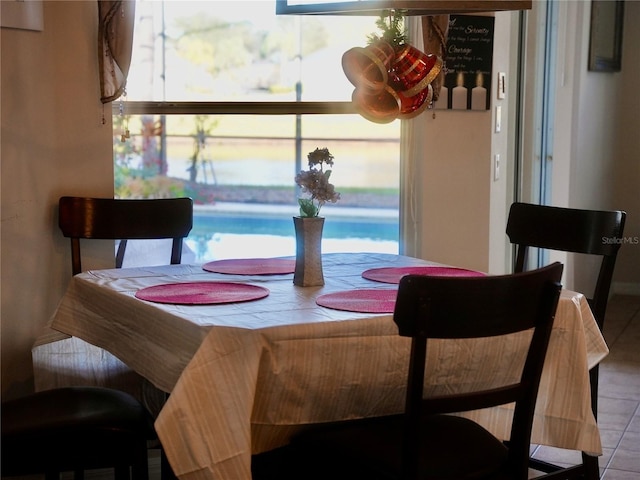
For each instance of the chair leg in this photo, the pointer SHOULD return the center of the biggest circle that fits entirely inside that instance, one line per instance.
(166, 472)
(140, 466)
(593, 379)
(591, 467)
(121, 472)
(140, 470)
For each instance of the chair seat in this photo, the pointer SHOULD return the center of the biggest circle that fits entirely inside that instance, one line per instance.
(455, 448)
(70, 428)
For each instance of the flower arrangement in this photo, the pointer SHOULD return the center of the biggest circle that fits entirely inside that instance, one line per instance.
(315, 182)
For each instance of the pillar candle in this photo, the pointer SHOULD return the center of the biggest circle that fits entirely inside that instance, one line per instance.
(479, 94)
(459, 94)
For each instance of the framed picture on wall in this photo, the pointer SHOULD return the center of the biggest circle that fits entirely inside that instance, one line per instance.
(605, 41)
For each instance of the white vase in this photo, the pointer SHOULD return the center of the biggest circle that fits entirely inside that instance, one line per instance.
(308, 271)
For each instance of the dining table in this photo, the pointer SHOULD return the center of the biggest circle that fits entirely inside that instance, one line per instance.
(252, 364)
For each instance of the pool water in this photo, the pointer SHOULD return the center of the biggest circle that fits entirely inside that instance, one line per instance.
(226, 245)
(245, 234)
(246, 231)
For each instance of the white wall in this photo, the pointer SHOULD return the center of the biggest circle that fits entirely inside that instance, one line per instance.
(455, 174)
(53, 143)
(502, 143)
(596, 140)
(625, 152)
(463, 209)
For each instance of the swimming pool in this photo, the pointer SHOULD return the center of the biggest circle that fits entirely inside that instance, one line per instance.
(246, 230)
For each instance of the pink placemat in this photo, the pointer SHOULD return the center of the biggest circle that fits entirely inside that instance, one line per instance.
(252, 266)
(201, 293)
(394, 274)
(361, 300)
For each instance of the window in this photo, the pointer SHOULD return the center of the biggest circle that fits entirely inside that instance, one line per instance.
(224, 101)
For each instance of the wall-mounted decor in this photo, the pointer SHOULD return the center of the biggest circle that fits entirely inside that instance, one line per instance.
(605, 41)
(23, 14)
(468, 61)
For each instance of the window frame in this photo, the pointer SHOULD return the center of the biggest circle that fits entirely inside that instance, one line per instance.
(124, 107)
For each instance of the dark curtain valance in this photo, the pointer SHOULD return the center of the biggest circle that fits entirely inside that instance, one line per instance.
(116, 20)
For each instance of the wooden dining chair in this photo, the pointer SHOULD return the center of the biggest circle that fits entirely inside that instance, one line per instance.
(428, 441)
(86, 427)
(76, 429)
(592, 232)
(116, 219)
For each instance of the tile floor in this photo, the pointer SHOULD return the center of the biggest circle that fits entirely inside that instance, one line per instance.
(619, 396)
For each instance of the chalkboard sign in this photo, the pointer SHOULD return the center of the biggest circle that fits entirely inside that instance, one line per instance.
(468, 60)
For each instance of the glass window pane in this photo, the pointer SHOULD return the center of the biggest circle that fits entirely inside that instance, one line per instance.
(240, 51)
(240, 170)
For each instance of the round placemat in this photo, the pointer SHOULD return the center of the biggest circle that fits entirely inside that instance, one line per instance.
(252, 266)
(394, 274)
(361, 300)
(201, 293)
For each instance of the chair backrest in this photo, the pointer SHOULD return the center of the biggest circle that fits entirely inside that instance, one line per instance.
(477, 307)
(592, 232)
(115, 219)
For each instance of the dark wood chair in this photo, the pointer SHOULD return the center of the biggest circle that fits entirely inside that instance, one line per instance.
(113, 219)
(76, 429)
(87, 427)
(427, 442)
(591, 232)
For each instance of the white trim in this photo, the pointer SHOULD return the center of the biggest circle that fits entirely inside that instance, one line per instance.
(412, 146)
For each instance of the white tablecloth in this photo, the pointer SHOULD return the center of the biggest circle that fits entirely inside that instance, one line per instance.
(243, 377)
